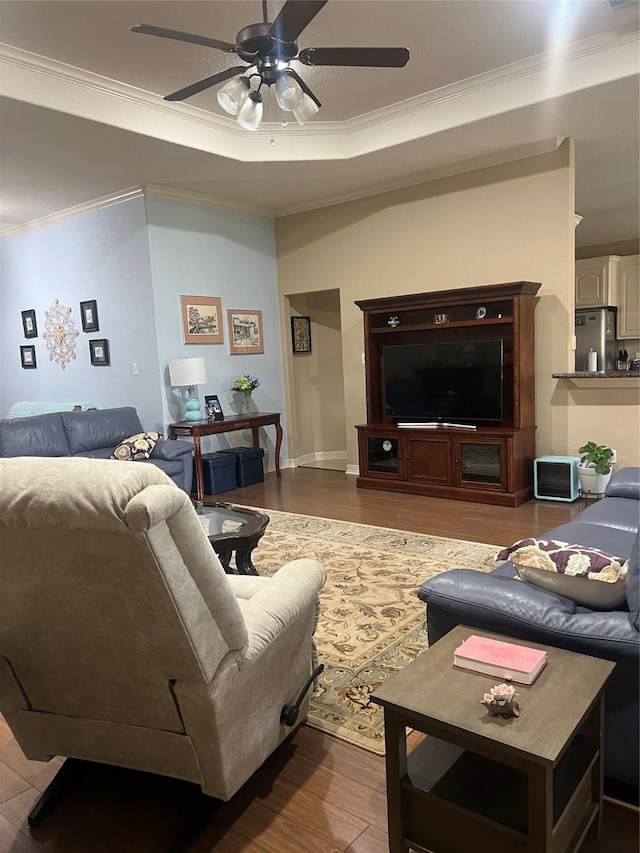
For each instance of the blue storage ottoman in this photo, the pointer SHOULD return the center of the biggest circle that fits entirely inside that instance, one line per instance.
(248, 462)
(219, 472)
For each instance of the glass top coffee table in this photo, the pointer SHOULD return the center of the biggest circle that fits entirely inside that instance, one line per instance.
(233, 528)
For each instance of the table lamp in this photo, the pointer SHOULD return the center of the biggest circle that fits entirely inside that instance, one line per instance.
(189, 372)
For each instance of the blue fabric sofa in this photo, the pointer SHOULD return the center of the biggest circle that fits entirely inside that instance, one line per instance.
(499, 602)
(94, 434)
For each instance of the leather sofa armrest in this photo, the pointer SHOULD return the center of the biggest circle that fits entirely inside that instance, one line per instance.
(173, 449)
(625, 483)
(516, 608)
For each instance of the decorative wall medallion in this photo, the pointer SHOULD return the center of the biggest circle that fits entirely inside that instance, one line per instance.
(60, 333)
(481, 312)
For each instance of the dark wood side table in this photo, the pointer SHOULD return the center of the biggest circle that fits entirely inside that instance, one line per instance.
(231, 423)
(531, 784)
(234, 528)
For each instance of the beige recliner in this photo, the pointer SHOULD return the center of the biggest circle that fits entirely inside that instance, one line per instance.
(123, 641)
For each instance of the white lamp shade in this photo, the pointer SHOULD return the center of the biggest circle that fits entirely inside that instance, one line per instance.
(288, 92)
(233, 94)
(306, 109)
(187, 371)
(250, 114)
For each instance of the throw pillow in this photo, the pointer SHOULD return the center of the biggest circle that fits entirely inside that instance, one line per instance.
(136, 447)
(563, 568)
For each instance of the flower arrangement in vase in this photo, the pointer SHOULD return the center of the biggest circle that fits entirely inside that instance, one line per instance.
(245, 385)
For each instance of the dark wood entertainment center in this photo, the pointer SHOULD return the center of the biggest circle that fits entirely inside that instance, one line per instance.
(490, 463)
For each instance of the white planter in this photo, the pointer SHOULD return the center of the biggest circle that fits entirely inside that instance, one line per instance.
(592, 483)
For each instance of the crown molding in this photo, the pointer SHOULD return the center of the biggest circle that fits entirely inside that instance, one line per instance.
(45, 82)
(128, 194)
(496, 158)
(72, 212)
(172, 194)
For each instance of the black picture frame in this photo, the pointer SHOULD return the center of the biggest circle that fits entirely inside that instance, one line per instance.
(89, 316)
(301, 334)
(28, 357)
(99, 350)
(29, 325)
(211, 402)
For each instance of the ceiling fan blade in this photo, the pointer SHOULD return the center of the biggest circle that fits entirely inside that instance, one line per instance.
(294, 16)
(149, 30)
(302, 85)
(201, 85)
(383, 57)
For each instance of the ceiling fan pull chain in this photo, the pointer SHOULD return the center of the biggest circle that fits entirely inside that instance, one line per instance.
(272, 141)
(264, 12)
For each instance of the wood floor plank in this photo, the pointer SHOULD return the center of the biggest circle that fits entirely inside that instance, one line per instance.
(13, 841)
(11, 784)
(344, 758)
(277, 834)
(350, 795)
(322, 818)
(37, 773)
(372, 840)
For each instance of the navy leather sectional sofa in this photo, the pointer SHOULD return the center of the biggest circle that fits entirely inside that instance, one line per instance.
(94, 434)
(499, 602)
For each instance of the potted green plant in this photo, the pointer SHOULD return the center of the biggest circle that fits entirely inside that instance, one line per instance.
(594, 470)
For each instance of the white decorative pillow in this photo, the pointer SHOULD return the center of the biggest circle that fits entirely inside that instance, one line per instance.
(563, 568)
(136, 447)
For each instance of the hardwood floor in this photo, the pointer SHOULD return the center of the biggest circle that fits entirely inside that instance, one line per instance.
(315, 794)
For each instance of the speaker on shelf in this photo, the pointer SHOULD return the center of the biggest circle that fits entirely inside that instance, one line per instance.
(555, 478)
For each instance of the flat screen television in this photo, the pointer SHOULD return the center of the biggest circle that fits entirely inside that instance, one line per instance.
(452, 382)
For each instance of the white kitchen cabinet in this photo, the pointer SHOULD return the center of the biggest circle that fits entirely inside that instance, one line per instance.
(596, 282)
(629, 297)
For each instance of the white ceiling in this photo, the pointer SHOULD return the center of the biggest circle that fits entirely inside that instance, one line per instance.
(83, 117)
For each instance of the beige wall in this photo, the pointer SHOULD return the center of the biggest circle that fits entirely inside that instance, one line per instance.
(622, 247)
(507, 223)
(317, 392)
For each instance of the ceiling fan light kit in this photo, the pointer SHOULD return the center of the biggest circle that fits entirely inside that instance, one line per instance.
(250, 113)
(268, 48)
(233, 94)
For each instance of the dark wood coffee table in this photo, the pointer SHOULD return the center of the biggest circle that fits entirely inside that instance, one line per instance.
(234, 528)
(531, 784)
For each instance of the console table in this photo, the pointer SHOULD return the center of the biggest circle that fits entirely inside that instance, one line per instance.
(231, 423)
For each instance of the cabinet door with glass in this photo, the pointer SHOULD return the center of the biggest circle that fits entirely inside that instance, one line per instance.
(382, 455)
(480, 462)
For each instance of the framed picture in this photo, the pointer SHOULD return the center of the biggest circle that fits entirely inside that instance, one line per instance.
(29, 323)
(202, 319)
(245, 332)
(301, 334)
(99, 350)
(89, 315)
(28, 357)
(211, 402)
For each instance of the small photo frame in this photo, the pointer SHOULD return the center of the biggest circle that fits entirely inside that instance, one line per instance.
(28, 357)
(301, 334)
(89, 315)
(202, 319)
(211, 402)
(29, 324)
(245, 332)
(99, 350)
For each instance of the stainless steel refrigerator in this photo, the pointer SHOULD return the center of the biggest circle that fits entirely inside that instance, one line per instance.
(596, 330)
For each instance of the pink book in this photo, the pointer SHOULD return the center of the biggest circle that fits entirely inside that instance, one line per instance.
(495, 657)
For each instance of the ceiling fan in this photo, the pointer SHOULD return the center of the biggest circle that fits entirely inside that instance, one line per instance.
(268, 48)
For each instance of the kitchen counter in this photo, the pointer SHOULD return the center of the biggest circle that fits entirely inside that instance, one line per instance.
(606, 374)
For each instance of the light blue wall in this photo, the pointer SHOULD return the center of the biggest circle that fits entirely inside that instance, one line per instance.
(206, 251)
(103, 255)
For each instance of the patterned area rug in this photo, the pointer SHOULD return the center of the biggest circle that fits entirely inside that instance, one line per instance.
(372, 622)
